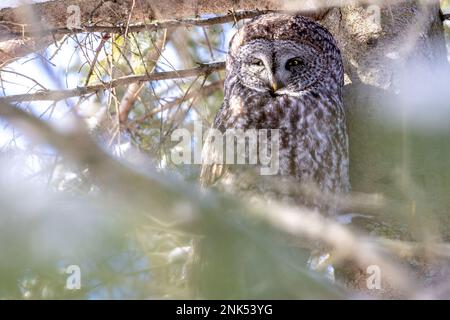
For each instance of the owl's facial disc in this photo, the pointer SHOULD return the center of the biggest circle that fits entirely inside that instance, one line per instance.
(279, 67)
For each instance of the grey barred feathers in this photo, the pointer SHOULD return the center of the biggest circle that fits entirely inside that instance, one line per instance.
(285, 72)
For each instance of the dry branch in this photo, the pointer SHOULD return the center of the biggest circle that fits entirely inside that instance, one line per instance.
(55, 95)
(150, 61)
(206, 90)
(20, 35)
(50, 18)
(28, 31)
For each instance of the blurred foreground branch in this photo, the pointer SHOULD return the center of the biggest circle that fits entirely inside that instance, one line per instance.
(152, 190)
(77, 145)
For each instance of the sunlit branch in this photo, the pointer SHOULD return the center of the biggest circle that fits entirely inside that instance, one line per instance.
(55, 95)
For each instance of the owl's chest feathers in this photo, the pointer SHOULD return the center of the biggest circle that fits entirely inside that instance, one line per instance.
(312, 133)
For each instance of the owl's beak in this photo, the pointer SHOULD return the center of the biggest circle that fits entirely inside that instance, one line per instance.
(276, 85)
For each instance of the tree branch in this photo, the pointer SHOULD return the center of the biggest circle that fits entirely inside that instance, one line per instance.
(150, 61)
(77, 145)
(27, 24)
(31, 31)
(22, 25)
(206, 90)
(55, 95)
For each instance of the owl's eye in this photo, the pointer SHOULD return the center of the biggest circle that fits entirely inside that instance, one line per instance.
(294, 62)
(257, 62)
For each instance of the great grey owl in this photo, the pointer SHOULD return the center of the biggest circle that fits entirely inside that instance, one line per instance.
(286, 72)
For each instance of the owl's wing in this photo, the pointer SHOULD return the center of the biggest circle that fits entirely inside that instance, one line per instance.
(212, 168)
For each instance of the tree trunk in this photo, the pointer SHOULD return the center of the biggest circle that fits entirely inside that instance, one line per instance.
(398, 161)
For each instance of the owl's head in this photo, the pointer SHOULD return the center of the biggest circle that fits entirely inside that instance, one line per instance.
(285, 55)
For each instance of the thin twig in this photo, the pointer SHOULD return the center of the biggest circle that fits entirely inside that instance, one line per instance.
(94, 62)
(133, 90)
(206, 90)
(25, 76)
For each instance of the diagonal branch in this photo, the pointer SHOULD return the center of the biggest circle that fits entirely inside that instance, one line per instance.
(206, 90)
(133, 90)
(55, 95)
